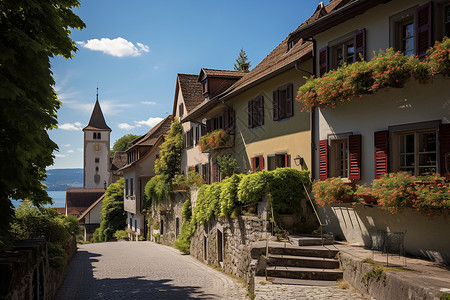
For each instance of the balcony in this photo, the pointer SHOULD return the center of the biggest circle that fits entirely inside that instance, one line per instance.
(216, 140)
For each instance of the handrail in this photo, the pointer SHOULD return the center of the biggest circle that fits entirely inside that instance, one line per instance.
(267, 238)
(315, 212)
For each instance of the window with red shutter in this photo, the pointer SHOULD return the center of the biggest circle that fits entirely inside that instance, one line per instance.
(423, 29)
(323, 159)
(381, 142)
(354, 157)
(360, 45)
(261, 163)
(253, 164)
(323, 60)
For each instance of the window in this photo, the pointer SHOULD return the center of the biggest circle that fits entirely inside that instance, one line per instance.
(197, 135)
(344, 53)
(277, 161)
(95, 135)
(97, 160)
(291, 44)
(283, 103)
(181, 109)
(411, 30)
(416, 151)
(126, 187)
(131, 187)
(205, 173)
(256, 112)
(342, 158)
(189, 138)
(257, 163)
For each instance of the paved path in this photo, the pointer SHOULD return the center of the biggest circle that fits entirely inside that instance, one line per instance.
(142, 270)
(308, 290)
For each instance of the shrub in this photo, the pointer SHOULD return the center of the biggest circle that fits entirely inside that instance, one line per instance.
(227, 164)
(286, 189)
(157, 190)
(228, 194)
(331, 190)
(121, 235)
(253, 187)
(169, 160)
(208, 204)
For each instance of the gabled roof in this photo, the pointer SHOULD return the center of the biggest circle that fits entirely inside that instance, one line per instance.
(78, 200)
(150, 138)
(191, 90)
(97, 121)
(337, 12)
(204, 72)
(155, 146)
(92, 206)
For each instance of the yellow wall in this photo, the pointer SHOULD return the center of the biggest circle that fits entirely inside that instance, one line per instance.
(290, 136)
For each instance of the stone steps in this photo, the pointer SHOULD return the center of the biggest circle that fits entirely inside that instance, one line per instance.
(304, 251)
(311, 241)
(304, 273)
(302, 261)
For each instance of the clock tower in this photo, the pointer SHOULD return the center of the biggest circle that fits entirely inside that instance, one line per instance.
(96, 150)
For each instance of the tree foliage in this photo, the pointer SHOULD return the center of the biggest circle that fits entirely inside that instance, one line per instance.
(240, 60)
(30, 33)
(113, 215)
(123, 143)
(227, 164)
(33, 222)
(169, 161)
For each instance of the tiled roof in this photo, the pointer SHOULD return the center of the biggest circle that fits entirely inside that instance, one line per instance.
(150, 138)
(280, 56)
(191, 90)
(119, 160)
(97, 120)
(78, 200)
(223, 73)
(61, 210)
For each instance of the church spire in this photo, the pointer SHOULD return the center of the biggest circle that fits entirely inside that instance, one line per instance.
(97, 121)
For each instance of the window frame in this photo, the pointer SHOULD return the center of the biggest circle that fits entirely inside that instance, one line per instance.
(256, 113)
(395, 23)
(275, 156)
(335, 44)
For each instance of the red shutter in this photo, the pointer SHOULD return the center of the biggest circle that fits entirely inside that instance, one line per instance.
(275, 105)
(250, 115)
(323, 159)
(261, 163)
(354, 154)
(253, 164)
(226, 119)
(323, 61)
(360, 44)
(208, 125)
(214, 170)
(289, 101)
(444, 149)
(381, 142)
(261, 110)
(286, 160)
(423, 29)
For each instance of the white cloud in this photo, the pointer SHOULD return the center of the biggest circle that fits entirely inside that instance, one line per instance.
(118, 47)
(148, 102)
(150, 122)
(109, 107)
(60, 155)
(70, 151)
(71, 126)
(80, 149)
(67, 145)
(125, 126)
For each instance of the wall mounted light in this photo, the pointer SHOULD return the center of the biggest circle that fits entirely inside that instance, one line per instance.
(298, 160)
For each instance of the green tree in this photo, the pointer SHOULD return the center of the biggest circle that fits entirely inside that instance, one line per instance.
(123, 143)
(240, 60)
(30, 33)
(227, 164)
(169, 161)
(113, 215)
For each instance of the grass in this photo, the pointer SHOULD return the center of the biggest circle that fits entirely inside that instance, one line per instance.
(342, 284)
(368, 260)
(444, 296)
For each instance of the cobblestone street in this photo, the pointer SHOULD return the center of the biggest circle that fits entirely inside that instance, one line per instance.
(142, 270)
(266, 290)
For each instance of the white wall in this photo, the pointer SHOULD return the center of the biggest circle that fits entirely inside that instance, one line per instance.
(387, 107)
(93, 217)
(89, 158)
(130, 202)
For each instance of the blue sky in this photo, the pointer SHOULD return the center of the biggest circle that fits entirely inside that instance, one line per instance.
(134, 49)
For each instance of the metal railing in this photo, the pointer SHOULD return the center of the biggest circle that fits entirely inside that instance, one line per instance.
(315, 212)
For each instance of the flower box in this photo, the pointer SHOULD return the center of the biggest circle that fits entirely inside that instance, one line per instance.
(216, 139)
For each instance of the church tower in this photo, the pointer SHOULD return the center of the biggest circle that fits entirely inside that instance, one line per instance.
(96, 150)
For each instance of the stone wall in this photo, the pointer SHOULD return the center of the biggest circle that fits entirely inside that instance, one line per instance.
(167, 215)
(25, 272)
(227, 242)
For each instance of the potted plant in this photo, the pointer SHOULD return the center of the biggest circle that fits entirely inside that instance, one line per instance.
(331, 191)
(364, 194)
(179, 183)
(215, 139)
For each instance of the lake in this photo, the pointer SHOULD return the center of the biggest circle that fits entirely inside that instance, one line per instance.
(59, 199)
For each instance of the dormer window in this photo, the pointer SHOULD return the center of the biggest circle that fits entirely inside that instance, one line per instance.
(205, 86)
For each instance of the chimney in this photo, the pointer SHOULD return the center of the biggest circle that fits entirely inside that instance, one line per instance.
(244, 67)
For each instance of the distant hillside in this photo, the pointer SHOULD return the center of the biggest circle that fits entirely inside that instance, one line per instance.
(61, 179)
